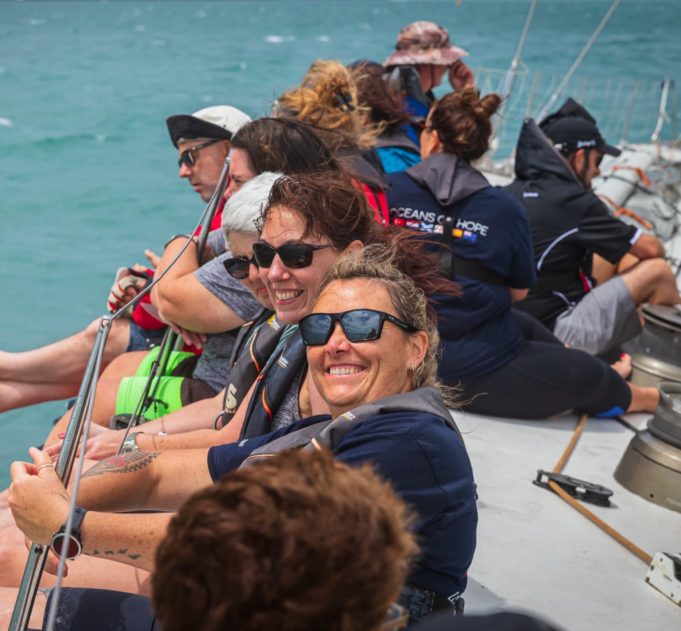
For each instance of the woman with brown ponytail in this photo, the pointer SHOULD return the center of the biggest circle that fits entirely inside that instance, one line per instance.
(518, 367)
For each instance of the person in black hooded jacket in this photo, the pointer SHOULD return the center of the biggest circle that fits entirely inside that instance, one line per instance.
(488, 347)
(571, 226)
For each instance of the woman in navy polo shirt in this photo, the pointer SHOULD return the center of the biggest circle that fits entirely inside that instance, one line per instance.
(508, 364)
(372, 354)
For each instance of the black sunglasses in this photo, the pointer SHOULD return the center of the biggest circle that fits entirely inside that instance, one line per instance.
(187, 156)
(294, 255)
(238, 266)
(359, 325)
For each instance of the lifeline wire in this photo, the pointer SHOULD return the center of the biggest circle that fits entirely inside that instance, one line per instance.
(159, 365)
(54, 603)
(29, 584)
(587, 47)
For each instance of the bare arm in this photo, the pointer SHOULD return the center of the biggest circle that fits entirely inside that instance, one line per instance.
(144, 480)
(39, 501)
(129, 539)
(182, 299)
(201, 438)
(198, 415)
(647, 247)
(104, 443)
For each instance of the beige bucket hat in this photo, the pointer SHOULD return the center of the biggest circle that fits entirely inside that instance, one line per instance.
(424, 43)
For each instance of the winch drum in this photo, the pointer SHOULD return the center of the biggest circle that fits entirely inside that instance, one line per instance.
(651, 464)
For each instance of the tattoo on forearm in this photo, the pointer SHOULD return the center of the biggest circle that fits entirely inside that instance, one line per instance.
(121, 551)
(123, 463)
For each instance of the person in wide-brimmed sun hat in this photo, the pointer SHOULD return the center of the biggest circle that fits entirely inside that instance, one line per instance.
(423, 54)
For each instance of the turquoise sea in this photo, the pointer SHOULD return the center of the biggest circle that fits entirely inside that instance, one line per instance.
(87, 174)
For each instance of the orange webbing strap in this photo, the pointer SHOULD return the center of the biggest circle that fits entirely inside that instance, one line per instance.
(645, 180)
(632, 547)
(618, 211)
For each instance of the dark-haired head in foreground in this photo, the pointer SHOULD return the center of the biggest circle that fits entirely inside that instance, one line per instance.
(293, 542)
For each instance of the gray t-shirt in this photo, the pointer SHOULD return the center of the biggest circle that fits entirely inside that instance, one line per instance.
(216, 242)
(288, 411)
(213, 364)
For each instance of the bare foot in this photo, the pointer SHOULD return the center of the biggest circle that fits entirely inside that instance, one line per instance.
(623, 366)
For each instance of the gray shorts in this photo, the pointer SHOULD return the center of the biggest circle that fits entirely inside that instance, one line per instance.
(605, 318)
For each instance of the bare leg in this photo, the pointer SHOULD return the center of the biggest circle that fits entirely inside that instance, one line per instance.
(82, 572)
(603, 270)
(124, 365)
(55, 370)
(17, 394)
(102, 411)
(652, 281)
(623, 366)
(643, 399)
(8, 596)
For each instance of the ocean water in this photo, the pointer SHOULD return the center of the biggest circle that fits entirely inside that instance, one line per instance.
(87, 174)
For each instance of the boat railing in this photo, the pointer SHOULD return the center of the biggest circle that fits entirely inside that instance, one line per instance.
(627, 110)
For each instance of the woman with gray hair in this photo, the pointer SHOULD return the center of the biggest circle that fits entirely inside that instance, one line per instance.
(370, 350)
(255, 341)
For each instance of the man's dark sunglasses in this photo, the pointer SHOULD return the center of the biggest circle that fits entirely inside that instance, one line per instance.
(238, 266)
(294, 255)
(187, 156)
(359, 325)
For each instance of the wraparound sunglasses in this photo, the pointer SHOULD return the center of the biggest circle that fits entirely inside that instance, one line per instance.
(359, 325)
(237, 267)
(187, 156)
(294, 255)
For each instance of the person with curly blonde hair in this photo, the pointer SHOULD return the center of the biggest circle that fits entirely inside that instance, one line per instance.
(371, 350)
(327, 99)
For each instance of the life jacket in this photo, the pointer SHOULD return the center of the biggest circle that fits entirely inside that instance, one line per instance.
(274, 382)
(141, 315)
(329, 433)
(254, 345)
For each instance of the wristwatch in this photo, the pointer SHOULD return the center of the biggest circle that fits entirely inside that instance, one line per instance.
(130, 443)
(72, 545)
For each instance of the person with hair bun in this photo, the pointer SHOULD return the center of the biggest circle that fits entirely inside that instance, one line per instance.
(423, 55)
(506, 362)
(371, 348)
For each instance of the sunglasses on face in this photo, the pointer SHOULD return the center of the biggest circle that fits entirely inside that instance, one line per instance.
(187, 156)
(294, 255)
(419, 125)
(359, 325)
(238, 266)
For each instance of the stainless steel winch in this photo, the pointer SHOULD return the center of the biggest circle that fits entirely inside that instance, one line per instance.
(656, 352)
(651, 465)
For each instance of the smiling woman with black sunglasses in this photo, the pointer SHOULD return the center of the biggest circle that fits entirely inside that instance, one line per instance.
(387, 409)
(310, 221)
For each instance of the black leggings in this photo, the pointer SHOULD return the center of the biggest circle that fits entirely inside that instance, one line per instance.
(546, 378)
(85, 609)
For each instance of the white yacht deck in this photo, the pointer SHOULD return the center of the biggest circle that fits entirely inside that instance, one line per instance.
(537, 554)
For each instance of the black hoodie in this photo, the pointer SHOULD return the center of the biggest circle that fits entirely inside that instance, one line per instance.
(568, 222)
